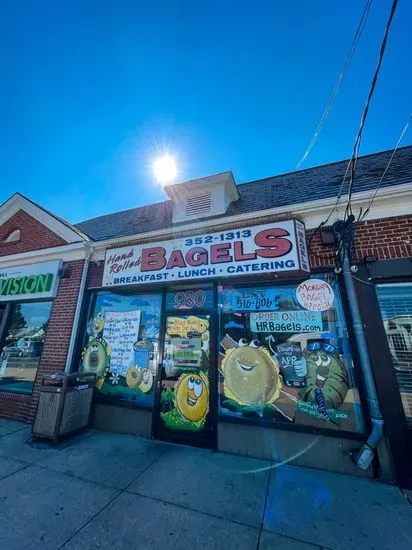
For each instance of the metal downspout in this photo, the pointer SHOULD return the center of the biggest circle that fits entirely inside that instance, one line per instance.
(77, 311)
(365, 456)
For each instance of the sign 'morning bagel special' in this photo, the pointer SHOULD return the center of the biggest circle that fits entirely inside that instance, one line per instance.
(269, 248)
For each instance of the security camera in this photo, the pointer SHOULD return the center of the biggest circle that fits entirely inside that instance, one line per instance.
(338, 270)
(354, 268)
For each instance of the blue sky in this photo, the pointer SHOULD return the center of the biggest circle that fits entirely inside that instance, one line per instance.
(92, 91)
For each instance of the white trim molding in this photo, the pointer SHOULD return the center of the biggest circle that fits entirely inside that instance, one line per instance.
(67, 253)
(61, 228)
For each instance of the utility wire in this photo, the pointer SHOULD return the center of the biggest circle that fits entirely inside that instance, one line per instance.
(361, 218)
(356, 146)
(335, 207)
(338, 82)
(319, 227)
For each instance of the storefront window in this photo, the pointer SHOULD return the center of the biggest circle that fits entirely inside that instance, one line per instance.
(285, 356)
(395, 301)
(23, 343)
(122, 346)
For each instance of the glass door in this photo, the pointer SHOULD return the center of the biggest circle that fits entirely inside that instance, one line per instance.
(183, 411)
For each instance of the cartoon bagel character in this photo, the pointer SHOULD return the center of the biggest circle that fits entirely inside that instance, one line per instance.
(251, 375)
(138, 377)
(327, 381)
(192, 397)
(96, 359)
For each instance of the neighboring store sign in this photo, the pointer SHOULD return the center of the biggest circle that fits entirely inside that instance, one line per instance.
(269, 248)
(299, 320)
(315, 295)
(33, 281)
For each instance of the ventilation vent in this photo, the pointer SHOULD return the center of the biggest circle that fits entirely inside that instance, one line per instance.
(13, 237)
(199, 204)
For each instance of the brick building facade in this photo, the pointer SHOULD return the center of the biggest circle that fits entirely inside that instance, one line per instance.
(141, 396)
(384, 238)
(34, 235)
(35, 242)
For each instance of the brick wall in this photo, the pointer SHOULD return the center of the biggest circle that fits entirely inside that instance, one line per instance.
(34, 235)
(387, 238)
(95, 275)
(56, 345)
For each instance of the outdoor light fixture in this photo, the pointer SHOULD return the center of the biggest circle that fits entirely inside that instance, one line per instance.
(327, 236)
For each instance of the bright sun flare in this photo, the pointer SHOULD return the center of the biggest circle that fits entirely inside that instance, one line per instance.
(165, 169)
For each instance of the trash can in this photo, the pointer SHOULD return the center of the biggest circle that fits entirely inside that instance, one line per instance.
(64, 405)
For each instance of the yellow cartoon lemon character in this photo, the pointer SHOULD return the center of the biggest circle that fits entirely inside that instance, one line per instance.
(251, 375)
(192, 396)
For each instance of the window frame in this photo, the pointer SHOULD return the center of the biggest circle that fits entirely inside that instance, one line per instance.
(385, 284)
(4, 327)
(398, 435)
(302, 428)
(239, 281)
(82, 339)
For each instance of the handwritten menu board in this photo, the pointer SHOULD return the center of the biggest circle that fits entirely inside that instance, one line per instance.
(121, 330)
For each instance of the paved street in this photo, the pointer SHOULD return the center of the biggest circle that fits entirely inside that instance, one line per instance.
(102, 490)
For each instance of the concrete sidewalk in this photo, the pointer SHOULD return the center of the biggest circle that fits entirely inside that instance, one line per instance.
(104, 490)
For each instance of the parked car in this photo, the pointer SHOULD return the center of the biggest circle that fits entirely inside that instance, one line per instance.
(27, 348)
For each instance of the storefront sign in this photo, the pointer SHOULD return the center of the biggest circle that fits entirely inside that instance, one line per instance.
(186, 326)
(33, 281)
(286, 321)
(189, 299)
(301, 244)
(315, 295)
(186, 352)
(269, 248)
(259, 299)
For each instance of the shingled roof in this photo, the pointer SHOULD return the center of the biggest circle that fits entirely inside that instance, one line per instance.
(319, 182)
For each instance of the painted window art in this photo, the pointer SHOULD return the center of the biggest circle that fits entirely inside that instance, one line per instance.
(122, 346)
(285, 356)
(185, 384)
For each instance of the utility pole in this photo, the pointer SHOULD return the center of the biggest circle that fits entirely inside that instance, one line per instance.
(365, 456)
